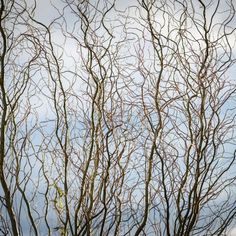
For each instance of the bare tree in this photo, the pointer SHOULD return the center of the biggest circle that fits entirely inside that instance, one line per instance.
(117, 120)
